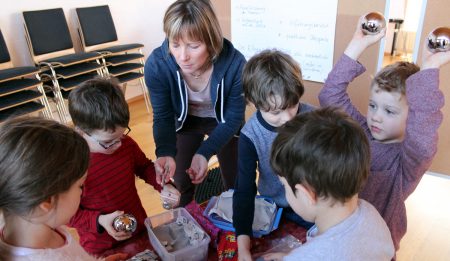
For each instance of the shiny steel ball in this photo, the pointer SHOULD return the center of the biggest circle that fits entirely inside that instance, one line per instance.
(439, 39)
(373, 23)
(125, 222)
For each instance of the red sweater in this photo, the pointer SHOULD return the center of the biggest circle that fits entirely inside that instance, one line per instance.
(110, 186)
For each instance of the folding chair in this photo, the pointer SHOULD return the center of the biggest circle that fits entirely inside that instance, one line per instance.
(20, 88)
(98, 33)
(51, 48)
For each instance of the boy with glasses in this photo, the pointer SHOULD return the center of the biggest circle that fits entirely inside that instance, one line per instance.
(100, 114)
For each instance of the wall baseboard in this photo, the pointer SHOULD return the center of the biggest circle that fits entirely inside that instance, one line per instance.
(440, 175)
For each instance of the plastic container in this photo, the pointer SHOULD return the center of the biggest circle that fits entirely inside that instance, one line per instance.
(191, 253)
(225, 225)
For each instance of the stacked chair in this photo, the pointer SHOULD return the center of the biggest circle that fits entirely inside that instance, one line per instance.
(21, 90)
(98, 34)
(52, 50)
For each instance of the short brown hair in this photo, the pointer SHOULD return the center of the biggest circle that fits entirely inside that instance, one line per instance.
(270, 73)
(39, 159)
(392, 77)
(99, 104)
(194, 19)
(325, 150)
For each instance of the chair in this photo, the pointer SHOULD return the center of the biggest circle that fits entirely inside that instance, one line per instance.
(21, 90)
(51, 48)
(98, 33)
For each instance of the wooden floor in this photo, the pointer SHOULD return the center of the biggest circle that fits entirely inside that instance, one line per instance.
(428, 208)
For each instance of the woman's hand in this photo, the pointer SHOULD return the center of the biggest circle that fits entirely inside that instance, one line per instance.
(164, 167)
(197, 171)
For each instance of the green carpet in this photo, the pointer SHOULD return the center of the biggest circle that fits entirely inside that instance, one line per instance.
(211, 186)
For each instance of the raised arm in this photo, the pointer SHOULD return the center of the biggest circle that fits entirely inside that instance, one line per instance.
(425, 101)
(334, 91)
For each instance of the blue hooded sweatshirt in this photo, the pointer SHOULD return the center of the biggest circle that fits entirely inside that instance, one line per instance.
(168, 95)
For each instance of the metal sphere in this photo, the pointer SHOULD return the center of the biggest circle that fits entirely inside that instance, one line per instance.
(125, 222)
(439, 39)
(373, 23)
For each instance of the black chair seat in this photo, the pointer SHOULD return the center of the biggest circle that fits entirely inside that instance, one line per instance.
(65, 94)
(121, 48)
(72, 82)
(75, 58)
(15, 72)
(74, 70)
(21, 110)
(123, 78)
(9, 87)
(18, 98)
(124, 68)
(122, 58)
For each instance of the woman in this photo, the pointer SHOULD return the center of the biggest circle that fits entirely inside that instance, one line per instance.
(194, 79)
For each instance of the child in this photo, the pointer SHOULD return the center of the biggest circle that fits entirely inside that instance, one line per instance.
(322, 158)
(100, 114)
(402, 122)
(43, 166)
(272, 82)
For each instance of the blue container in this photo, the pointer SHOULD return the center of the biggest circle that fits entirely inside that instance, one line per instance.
(225, 225)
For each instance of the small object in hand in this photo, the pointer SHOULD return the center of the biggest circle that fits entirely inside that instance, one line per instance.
(439, 40)
(373, 23)
(169, 200)
(125, 222)
(166, 205)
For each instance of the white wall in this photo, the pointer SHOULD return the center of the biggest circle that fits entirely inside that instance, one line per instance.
(136, 21)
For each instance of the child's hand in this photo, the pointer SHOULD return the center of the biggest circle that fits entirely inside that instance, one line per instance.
(106, 221)
(164, 167)
(197, 171)
(243, 242)
(170, 195)
(433, 60)
(117, 257)
(275, 256)
(361, 41)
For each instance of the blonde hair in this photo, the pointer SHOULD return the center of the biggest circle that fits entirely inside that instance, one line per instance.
(196, 20)
(392, 78)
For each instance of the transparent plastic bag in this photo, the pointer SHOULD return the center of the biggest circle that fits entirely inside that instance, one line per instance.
(285, 244)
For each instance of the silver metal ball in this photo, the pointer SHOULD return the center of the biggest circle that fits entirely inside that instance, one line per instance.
(373, 23)
(439, 39)
(125, 222)
(167, 205)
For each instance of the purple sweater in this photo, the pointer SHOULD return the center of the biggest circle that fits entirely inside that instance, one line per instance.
(396, 168)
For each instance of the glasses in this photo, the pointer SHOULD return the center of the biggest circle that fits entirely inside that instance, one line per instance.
(112, 143)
